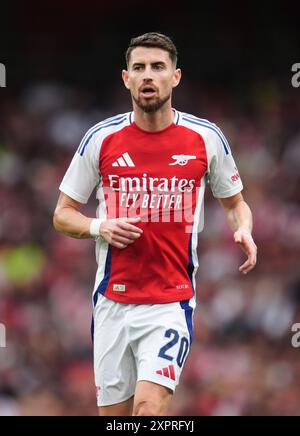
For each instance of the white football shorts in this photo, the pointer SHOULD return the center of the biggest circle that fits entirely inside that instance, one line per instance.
(134, 342)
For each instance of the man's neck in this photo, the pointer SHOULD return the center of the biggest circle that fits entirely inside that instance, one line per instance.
(156, 121)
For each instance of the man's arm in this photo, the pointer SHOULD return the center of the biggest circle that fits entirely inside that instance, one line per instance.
(239, 217)
(70, 221)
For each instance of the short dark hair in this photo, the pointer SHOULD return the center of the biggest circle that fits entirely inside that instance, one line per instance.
(153, 39)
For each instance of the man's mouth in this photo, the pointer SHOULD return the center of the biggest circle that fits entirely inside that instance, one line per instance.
(148, 91)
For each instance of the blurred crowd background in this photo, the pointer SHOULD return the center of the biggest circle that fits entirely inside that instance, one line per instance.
(63, 75)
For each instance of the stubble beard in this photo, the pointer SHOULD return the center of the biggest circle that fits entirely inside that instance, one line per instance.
(149, 108)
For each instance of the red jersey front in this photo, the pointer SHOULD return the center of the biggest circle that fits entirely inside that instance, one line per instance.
(159, 176)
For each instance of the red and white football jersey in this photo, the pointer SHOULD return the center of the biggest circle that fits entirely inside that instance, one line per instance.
(159, 176)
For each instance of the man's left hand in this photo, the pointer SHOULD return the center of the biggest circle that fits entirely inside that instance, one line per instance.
(244, 239)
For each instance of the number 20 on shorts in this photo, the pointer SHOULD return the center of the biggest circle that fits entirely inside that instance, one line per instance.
(183, 349)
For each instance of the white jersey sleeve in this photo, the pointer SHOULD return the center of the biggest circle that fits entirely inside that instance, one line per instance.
(222, 173)
(83, 175)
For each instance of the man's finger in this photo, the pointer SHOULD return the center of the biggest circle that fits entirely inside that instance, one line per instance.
(126, 234)
(118, 245)
(122, 240)
(129, 227)
(131, 220)
(248, 265)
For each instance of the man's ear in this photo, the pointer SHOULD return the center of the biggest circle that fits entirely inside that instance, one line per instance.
(177, 77)
(125, 78)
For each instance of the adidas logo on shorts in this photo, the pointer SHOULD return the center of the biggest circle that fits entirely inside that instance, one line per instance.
(168, 372)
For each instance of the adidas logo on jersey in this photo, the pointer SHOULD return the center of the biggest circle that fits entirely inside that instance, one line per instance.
(168, 372)
(124, 161)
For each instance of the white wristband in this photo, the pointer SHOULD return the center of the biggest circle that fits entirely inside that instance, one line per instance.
(95, 227)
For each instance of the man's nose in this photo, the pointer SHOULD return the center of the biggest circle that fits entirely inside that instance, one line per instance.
(148, 74)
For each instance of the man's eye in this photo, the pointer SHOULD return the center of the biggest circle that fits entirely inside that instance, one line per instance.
(158, 67)
(137, 68)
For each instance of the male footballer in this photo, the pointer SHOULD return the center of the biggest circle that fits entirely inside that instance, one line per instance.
(149, 167)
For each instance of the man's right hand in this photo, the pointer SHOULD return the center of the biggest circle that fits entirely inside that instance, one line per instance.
(120, 232)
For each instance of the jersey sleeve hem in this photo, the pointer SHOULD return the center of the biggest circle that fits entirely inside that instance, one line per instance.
(68, 191)
(229, 192)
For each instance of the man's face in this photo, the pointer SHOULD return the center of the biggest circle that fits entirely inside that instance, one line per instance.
(151, 76)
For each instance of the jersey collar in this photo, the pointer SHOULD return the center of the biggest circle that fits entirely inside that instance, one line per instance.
(175, 121)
